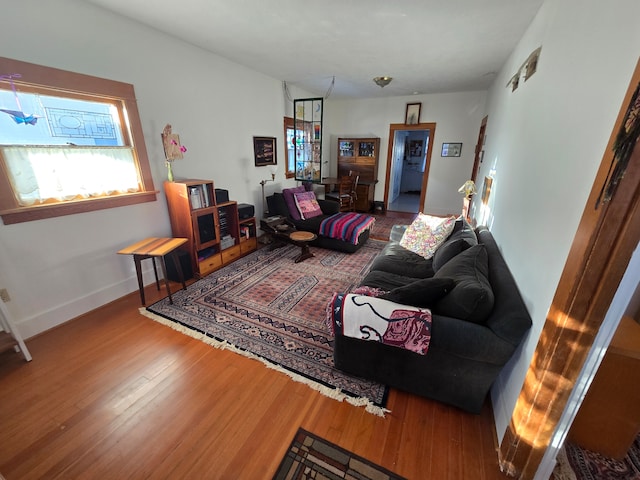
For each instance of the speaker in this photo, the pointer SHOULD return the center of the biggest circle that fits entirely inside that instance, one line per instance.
(222, 196)
(185, 265)
(245, 211)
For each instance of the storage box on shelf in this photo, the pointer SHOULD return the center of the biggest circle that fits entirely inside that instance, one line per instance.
(248, 239)
(213, 229)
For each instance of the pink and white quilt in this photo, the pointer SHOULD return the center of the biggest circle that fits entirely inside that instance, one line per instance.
(379, 320)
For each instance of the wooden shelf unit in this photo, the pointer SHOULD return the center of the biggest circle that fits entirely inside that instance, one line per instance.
(359, 156)
(213, 229)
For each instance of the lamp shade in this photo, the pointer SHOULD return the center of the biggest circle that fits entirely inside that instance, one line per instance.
(468, 188)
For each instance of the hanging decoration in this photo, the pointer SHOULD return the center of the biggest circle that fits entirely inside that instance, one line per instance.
(287, 93)
(172, 149)
(623, 147)
(18, 116)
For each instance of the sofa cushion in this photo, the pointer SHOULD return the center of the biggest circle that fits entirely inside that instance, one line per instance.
(426, 233)
(307, 205)
(460, 239)
(290, 201)
(399, 260)
(421, 293)
(447, 251)
(385, 281)
(472, 297)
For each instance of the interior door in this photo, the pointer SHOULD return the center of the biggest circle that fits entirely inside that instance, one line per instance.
(394, 162)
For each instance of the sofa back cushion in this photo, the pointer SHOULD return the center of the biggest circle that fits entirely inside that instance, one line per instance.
(460, 239)
(291, 202)
(277, 205)
(472, 297)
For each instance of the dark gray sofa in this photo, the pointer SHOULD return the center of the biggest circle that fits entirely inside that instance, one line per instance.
(465, 354)
(277, 206)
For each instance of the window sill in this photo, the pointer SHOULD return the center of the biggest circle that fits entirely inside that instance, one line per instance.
(40, 212)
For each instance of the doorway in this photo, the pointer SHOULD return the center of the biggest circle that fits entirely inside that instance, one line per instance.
(408, 161)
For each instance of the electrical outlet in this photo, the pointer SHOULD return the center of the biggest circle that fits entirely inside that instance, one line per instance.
(4, 295)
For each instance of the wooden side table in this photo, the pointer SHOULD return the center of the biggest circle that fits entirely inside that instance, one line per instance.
(153, 248)
(302, 240)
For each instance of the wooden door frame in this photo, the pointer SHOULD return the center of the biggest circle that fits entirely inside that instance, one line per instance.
(425, 175)
(602, 248)
(477, 160)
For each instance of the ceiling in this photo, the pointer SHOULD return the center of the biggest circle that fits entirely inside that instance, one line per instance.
(427, 46)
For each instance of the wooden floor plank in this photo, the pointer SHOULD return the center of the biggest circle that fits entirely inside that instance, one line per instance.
(113, 394)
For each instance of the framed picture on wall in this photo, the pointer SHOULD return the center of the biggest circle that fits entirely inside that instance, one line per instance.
(451, 150)
(264, 151)
(486, 189)
(412, 115)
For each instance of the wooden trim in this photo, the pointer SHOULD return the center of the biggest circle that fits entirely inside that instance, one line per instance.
(40, 212)
(479, 149)
(601, 250)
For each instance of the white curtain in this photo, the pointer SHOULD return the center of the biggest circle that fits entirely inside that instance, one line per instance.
(55, 174)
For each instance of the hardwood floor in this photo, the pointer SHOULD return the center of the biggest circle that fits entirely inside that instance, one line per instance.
(115, 395)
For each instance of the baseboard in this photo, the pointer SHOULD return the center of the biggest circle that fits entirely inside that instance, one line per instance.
(59, 314)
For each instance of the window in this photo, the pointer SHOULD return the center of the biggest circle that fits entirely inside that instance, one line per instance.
(69, 143)
(289, 133)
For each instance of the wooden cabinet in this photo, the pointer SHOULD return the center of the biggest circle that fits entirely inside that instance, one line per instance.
(213, 230)
(359, 156)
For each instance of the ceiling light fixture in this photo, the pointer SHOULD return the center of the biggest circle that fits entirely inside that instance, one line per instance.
(382, 81)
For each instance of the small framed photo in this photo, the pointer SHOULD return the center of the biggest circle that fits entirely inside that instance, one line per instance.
(264, 151)
(451, 150)
(412, 115)
(486, 189)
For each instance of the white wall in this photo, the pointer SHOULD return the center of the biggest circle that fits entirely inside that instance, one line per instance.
(545, 142)
(457, 117)
(58, 268)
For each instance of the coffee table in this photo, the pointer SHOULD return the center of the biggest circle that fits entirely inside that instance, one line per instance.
(282, 232)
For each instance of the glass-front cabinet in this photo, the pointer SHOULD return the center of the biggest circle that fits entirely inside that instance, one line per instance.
(359, 156)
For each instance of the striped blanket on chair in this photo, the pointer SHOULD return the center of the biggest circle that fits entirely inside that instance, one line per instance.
(346, 226)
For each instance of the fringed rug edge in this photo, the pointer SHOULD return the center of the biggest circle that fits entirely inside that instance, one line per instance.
(334, 393)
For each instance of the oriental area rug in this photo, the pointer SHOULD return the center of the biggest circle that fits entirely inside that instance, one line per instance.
(266, 306)
(310, 456)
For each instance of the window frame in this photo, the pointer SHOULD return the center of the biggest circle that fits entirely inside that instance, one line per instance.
(70, 83)
(288, 125)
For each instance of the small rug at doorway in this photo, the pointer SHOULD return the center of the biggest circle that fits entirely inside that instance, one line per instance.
(575, 463)
(310, 456)
(266, 306)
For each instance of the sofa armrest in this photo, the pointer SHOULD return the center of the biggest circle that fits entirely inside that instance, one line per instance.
(397, 232)
(468, 340)
(328, 207)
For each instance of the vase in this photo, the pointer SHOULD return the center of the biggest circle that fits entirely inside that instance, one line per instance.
(169, 172)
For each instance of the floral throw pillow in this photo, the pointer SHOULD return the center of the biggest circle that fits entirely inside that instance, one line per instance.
(426, 234)
(307, 205)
